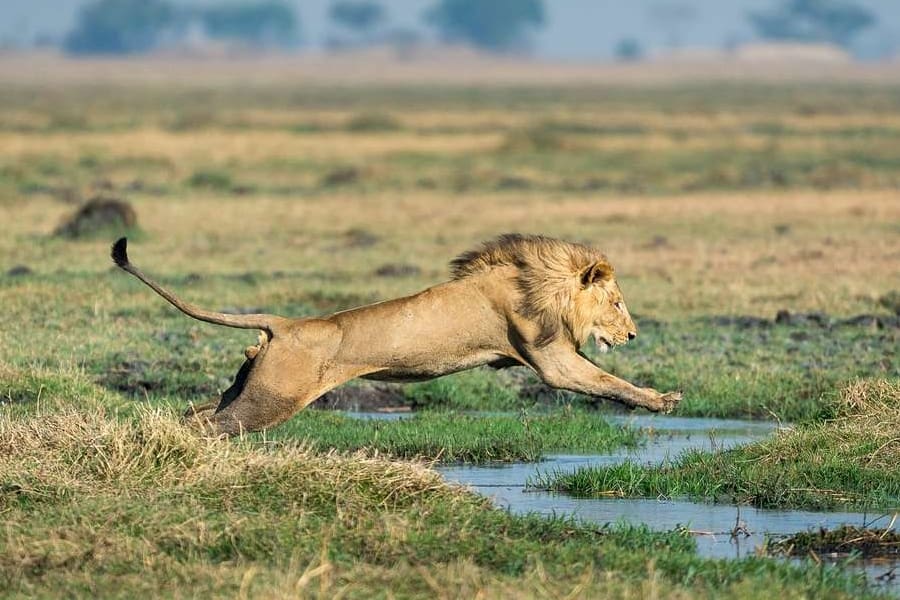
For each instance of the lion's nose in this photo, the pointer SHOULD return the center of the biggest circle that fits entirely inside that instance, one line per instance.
(632, 335)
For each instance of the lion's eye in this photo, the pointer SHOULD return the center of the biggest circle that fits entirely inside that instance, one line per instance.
(618, 305)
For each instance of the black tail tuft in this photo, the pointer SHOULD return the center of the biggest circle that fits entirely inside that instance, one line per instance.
(119, 252)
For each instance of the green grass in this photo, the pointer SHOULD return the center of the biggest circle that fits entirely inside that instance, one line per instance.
(769, 140)
(789, 372)
(100, 506)
(547, 161)
(846, 462)
(372, 121)
(459, 438)
(213, 179)
(480, 389)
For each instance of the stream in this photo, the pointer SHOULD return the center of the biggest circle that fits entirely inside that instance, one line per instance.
(711, 524)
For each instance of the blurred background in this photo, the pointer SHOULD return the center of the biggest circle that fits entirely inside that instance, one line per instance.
(568, 30)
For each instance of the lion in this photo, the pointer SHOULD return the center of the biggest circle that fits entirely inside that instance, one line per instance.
(519, 300)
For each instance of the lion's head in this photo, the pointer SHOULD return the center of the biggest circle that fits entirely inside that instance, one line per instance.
(568, 289)
(598, 309)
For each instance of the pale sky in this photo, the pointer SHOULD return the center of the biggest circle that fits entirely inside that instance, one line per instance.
(576, 29)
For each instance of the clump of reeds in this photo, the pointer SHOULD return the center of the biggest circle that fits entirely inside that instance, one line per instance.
(866, 542)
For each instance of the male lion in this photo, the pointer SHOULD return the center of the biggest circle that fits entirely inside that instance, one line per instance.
(517, 301)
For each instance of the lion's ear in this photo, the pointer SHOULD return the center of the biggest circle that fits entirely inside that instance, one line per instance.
(598, 272)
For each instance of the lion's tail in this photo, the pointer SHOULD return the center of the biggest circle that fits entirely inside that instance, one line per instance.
(255, 321)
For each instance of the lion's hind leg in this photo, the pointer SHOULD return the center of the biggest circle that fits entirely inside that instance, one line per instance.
(200, 416)
(284, 375)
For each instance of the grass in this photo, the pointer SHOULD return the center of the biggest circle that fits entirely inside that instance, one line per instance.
(844, 462)
(479, 389)
(183, 516)
(367, 122)
(460, 438)
(754, 368)
(213, 179)
(403, 161)
(591, 139)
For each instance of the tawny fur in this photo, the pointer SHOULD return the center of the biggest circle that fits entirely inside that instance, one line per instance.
(517, 301)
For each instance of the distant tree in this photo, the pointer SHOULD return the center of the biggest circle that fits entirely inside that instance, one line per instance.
(499, 25)
(629, 49)
(834, 21)
(360, 17)
(119, 26)
(264, 23)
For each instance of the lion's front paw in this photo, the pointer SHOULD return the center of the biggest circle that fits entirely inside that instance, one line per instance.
(668, 402)
(662, 403)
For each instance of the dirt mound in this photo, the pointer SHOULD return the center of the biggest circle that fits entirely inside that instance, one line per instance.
(341, 176)
(359, 238)
(99, 216)
(19, 271)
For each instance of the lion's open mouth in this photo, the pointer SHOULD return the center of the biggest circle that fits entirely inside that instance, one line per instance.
(603, 344)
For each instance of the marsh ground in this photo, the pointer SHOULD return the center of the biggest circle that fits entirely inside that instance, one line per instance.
(719, 206)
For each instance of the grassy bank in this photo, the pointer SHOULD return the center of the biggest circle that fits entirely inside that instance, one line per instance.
(849, 461)
(97, 506)
(455, 438)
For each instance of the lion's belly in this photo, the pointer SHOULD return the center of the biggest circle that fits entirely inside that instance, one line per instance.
(432, 368)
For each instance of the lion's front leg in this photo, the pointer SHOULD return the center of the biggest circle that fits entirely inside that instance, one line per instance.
(563, 368)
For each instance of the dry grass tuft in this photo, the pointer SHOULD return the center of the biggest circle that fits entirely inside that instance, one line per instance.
(866, 397)
(865, 434)
(870, 410)
(91, 453)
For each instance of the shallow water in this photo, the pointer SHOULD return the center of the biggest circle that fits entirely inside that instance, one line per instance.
(642, 421)
(711, 524)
